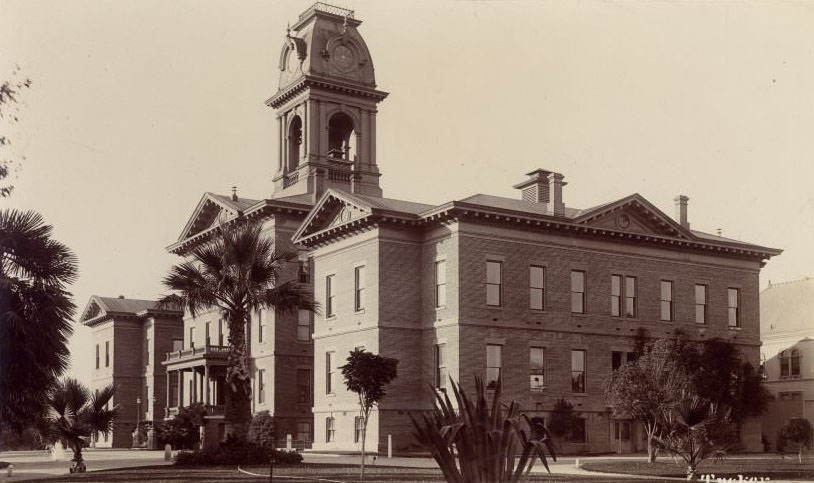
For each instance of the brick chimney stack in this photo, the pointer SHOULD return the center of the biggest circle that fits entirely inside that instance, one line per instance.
(555, 184)
(681, 210)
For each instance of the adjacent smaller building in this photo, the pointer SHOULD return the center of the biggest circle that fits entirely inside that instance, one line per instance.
(787, 333)
(130, 339)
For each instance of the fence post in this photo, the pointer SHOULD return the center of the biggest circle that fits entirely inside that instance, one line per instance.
(288, 442)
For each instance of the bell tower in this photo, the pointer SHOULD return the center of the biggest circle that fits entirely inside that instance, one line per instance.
(326, 107)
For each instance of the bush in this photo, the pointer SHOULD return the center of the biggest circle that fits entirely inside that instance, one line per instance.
(261, 430)
(182, 432)
(232, 452)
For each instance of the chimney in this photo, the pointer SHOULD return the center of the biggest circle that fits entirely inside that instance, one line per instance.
(555, 184)
(681, 210)
(535, 189)
(121, 296)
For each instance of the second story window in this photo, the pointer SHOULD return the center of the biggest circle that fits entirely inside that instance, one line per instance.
(618, 358)
(329, 373)
(536, 287)
(441, 283)
(493, 283)
(577, 292)
(626, 293)
(494, 362)
(97, 356)
(440, 366)
(359, 288)
(303, 386)
(700, 304)
(789, 363)
(666, 298)
(536, 368)
(616, 295)
(630, 296)
(220, 332)
(303, 326)
(261, 386)
(192, 337)
(330, 296)
(578, 371)
(107, 353)
(732, 307)
(261, 327)
(207, 335)
(147, 352)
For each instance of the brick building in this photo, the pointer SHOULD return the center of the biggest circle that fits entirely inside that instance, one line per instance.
(130, 338)
(540, 293)
(787, 354)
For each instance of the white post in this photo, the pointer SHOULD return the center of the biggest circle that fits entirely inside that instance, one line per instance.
(576, 463)
(389, 446)
(288, 442)
(167, 452)
(10, 471)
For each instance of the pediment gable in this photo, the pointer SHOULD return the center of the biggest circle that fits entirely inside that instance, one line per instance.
(92, 310)
(333, 210)
(211, 211)
(634, 214)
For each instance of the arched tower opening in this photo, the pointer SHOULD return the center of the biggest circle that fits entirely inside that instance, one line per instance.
(294, 143)
(341, 137)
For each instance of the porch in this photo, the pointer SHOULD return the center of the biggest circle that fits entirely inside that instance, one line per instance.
(196, 375)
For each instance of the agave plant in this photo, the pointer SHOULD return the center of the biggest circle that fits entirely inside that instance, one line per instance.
(694, 430)
(474, 442)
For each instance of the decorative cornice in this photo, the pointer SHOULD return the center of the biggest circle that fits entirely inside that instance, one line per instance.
(308, 81)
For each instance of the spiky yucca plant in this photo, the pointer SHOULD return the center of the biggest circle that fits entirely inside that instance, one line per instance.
(481, 443)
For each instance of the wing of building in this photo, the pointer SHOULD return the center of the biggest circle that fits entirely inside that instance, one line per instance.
(787, 355)
(532, 290)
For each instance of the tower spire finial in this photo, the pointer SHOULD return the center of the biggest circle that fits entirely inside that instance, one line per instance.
(234, 193)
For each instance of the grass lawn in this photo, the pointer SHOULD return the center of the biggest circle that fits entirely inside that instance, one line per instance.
(776, 469)
(308, 473)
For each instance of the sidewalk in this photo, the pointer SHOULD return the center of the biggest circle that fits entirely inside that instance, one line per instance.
(29, 465)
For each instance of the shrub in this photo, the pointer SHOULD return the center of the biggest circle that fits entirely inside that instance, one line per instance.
(233, 452)
(261, 430)
(182, 431)
(562, 418)
(798, 431)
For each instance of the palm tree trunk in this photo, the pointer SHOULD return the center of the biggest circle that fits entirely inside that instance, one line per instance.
(238, 412)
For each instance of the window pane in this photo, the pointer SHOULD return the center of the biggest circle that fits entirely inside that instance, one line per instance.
(536, 277)
(630, 287)
(733, 316)
(577, 281)
(536, 299)
(616, 285)
(577, 382)
(616, 360)
(733, 297)
(536, 358)
(493, 294)
(492, 375)
(577, 305)
(699, 314)
(666, 290)
(441, 272)
(700, 294)
(666, 311)
(577, 360)
(441, 296)
(493, 355)
(493, 272)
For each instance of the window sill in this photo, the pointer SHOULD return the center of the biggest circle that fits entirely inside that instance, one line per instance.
(440, 308)
(359, 311)
(579, 394)
(735, 327)
(539, 390)
(330, 394)
(579, 314)
(494, 307)
(330, 318)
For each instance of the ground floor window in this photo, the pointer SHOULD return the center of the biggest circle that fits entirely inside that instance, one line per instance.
(358, 424)
(304, 431)
(577, 431)
(330, 431)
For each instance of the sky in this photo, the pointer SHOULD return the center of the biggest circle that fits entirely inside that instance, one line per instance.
(139, 107)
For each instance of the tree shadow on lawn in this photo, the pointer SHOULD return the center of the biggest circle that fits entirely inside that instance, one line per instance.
(728, 468)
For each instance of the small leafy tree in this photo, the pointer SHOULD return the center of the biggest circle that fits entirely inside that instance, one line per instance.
(76, 414)
(696, 429)
(474, 442)
(261, 430)
(800, 432)
(647, 387)
(367, 374)
(562, 419)
(183, 431)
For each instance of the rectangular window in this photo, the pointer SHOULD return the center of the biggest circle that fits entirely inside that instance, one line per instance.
(192, 337)
(630, 297)
(577, 431)
(177, 345)
(536, 368)
(330, 431)
(578, 371)
(146, 399)
(537, 287)
(303, 385)
(220, 332)
(494, 362)
(616, 295)
(666, 300)
(208, 333)
(261, 386)
(147, 352)
(577, 292)
(700, 304)
(732, 306)
(304, 431)
(440, 366)
(261, 326)
(304, 326)
(97, 356)
(359, 288)
(441, 283)
(618, 358)
(329, 373)
(493, 282)
(107, 353)
(302, 274)
(330, 296)
(358, 425)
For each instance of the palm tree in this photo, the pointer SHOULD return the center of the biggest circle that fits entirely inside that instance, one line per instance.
(236, 272)
(75, 415)
(35, 315)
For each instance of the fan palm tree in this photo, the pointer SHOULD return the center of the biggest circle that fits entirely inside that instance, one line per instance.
(237, 272)
(75, 415)
(35, 314)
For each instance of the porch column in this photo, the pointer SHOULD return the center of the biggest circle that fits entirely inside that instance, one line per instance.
(206, 383)
(194, 398)
(180, 389)
(167, 406)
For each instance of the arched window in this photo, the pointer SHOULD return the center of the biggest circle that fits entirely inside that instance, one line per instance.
(789, 363)
(795, 362)
(341, 138)
(294, 143)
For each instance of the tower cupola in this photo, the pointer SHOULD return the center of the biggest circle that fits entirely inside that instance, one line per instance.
(326, 107)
